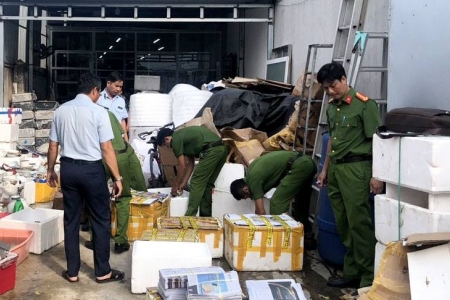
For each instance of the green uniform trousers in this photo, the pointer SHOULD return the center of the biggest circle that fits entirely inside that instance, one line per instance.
(349, 191)
(202, 181)
(131, 171)
(297, 181)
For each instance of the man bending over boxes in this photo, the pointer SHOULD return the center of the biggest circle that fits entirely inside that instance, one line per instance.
(290, 173)
(187, 144)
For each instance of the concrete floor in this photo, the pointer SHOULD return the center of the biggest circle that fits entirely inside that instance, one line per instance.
(39, 277)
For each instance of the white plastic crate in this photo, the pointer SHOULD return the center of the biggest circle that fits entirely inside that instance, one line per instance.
(413, 219)
(47, 225)
(149, 257)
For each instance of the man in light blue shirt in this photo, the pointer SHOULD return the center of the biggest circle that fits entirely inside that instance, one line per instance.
(84, 132)
(111, 99)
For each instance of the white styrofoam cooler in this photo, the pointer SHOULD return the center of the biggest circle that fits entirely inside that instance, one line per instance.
(47, 225)
(436, 202)
(223, 201)
(424, 162)
(178, 205)
(9, 132)
(413, 219)
(149, 257)
(150, 109)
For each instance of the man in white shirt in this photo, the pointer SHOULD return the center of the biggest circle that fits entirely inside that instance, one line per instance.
(111, 99)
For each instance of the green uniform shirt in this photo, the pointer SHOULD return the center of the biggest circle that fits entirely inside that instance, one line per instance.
(265, 172)
(352, 123)
(118, 142)
(190, 141)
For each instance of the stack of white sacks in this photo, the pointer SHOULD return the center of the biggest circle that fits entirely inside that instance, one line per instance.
(417, 200)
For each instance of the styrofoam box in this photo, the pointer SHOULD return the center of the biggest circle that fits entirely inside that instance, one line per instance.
(26, 141)
(424, 162)
(8, 145)
(223, 201)
(436, 202)
(10, 115)
(413, 219)
(379, 250)
(9, 132)
(178, 205)
(27, 133)
(44, 114)
(27, 115)
(149, 257)
(266, 251)
(147, 83)
(47, 225)
(43, 133)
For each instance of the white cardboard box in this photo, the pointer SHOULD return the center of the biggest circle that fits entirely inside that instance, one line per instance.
(47, 225)
(223, 200)
(424, 162)
(413, 219)
(429, 265)
(263, 248)
(149, 257)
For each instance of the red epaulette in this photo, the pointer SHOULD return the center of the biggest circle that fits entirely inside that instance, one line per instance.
(362, 97)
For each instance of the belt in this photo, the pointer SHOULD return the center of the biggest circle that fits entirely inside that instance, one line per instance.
(80, 161)
(351, 159)
(124, 150)
(213, 144)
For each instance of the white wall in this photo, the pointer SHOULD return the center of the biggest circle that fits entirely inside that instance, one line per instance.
(419, 65)
(305, 22)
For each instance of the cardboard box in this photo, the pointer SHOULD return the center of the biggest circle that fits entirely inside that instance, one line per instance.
(149, 257)
(317, 90)
(144, 214)
(429, 265)
(263, 243)
(208, 229)
(245, 144)
(417, 268)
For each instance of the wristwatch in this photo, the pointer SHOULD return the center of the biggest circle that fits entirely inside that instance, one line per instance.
(119, 179)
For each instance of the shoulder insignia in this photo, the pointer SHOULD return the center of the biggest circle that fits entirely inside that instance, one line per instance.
(362, 97)
(348, 100)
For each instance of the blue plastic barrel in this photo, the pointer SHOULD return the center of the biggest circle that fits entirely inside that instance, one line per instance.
(330, 246)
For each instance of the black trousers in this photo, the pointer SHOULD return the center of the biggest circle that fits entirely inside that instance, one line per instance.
(86, 180)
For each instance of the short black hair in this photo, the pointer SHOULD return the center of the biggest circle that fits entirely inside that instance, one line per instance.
(331, 72)
(88, 82)
(236, 189)
(114, 76)
(162, 133)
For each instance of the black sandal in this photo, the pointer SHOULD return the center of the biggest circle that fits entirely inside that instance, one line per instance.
(65, 275)
(116, 275)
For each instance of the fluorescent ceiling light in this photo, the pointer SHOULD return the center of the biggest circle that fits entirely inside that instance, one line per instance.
(149, 54)
(159, 49)
(104, 53)
(142, 57)
(101, 56)
(110, 47)
(118, 40)
(155, 41)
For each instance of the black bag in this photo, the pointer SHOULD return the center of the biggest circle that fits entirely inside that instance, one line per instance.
(413, 121)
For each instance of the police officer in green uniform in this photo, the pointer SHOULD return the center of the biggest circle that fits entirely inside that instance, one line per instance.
(130, 169)
(287, 171)
(352, 120)
(187, 144)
